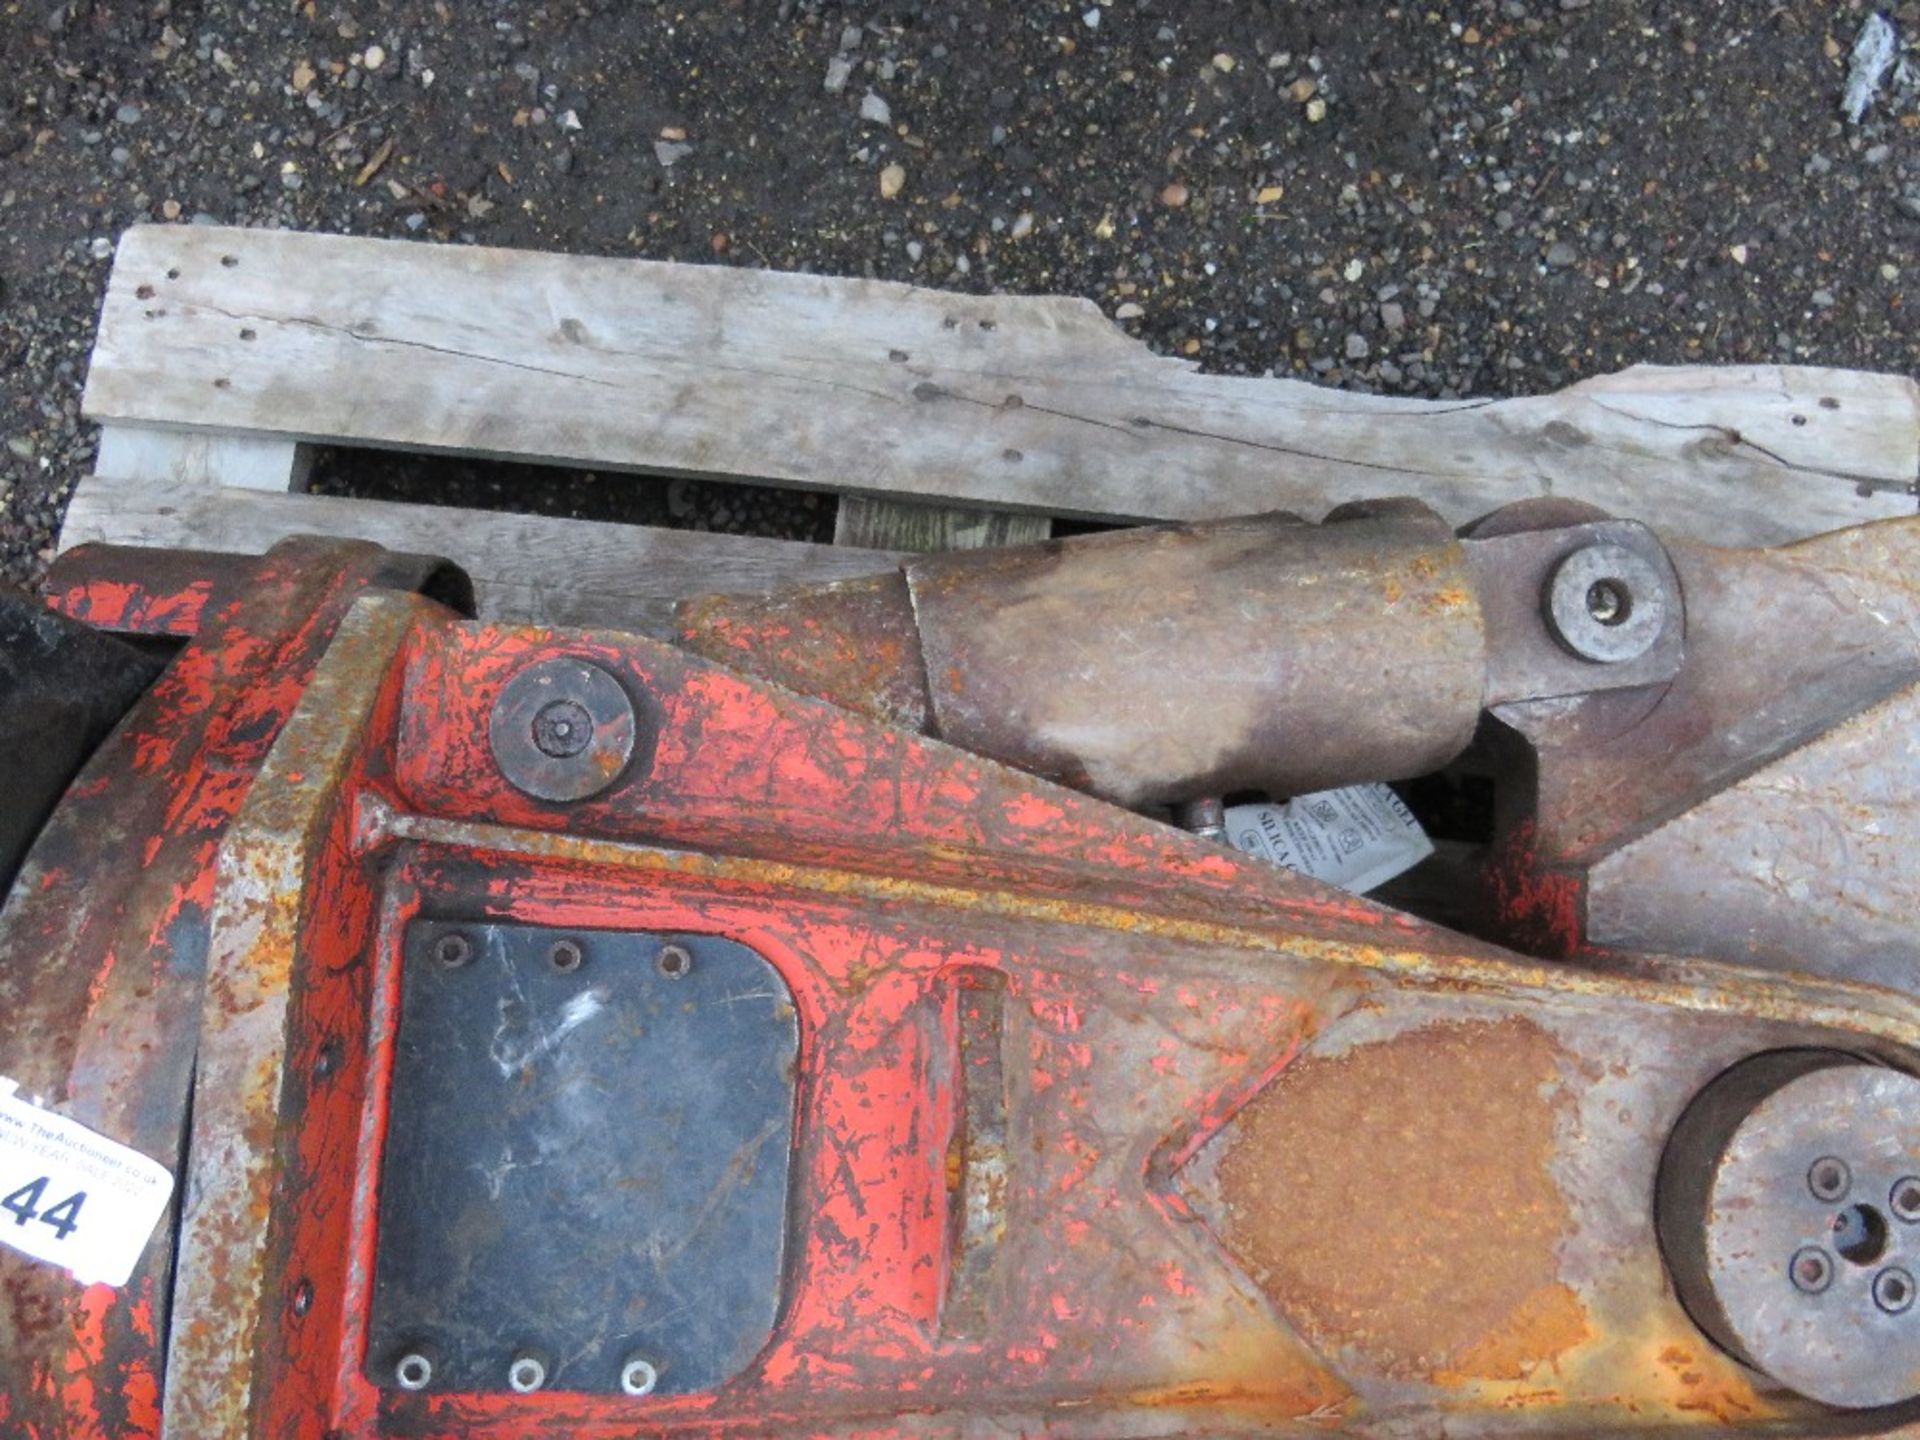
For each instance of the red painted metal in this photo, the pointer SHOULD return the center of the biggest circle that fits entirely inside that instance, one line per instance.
(1176, 1027)
(103, 942)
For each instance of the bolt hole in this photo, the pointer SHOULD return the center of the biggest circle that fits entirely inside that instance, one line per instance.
(327, 1061)
(414, 1372)
(302, 1298)
(1905, 1199)
(1829, 1178)
(1860, 1234)
(1609, 602)
(1811, 1270)
(1893, 1290)
(675, 962)
(173, 274)
(453, 951)
(1799, 419)
(565, 956)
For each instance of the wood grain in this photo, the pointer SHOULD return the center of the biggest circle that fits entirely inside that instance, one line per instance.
(999, 402)
(526, 568)
(906, 525)
(253, 462)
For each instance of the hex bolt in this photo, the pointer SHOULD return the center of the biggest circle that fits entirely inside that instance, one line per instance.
(527, 1373)
(565, 956)
(453, 950)
(1829, 1178)
(1893, 1290)
(1811, 1270)
(1205, 817)
(413, 1371)
(1904, 1199)
(638, 1377)
(675, 961)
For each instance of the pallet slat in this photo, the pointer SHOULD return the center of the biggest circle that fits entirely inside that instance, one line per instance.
(527, 569)
(1036, 404)
(907, 525)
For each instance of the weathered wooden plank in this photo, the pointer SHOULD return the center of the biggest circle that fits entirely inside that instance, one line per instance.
(251, 461)
(906, 525)
(526, 568)
(999, 402)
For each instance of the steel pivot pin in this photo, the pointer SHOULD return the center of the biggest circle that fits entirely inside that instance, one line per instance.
(563, 729)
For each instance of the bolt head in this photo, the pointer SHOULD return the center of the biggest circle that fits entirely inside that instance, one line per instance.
(562, 729)
(1893, 1290)
(1904, 1199)
(527, 1374)
(453, 950)
(1811, 1270)
(1829, 1178)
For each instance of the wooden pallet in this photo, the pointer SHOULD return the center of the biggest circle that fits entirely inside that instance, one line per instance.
(225, 356)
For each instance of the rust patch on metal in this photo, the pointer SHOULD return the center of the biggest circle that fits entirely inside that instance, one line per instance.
(1397, 1201)
(1549, 1322)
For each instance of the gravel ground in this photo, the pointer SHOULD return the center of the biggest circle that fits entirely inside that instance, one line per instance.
(1438, 199)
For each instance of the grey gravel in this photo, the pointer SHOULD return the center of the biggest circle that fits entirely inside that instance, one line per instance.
(1535, 192)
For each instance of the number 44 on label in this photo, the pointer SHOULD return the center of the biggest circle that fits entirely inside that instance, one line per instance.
(72, 1197)
(64, 1217)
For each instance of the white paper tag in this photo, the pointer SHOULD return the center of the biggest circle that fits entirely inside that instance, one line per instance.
(1356, 837)
(74, 1198)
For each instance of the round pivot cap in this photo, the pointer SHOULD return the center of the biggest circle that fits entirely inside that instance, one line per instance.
(1607, 603)
(562, 730)
(1781, 1201)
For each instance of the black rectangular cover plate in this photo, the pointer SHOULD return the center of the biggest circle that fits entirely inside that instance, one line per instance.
(586, 1157)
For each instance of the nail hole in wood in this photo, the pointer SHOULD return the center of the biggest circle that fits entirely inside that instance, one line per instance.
(1013, 457)
(1799, 419)
(222, 383)
(1827, 402)
(173, 274)
(145, 292)
(229, 261)
(989, 325)
(899, 357)
(249, 335)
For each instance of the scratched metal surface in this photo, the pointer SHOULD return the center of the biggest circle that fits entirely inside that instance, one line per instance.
(586, 1158)
(1206, 1067)
(103, 939)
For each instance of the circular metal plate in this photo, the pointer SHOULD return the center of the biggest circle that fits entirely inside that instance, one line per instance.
(1607, 603)
(563, 729)
(1805, 1249)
